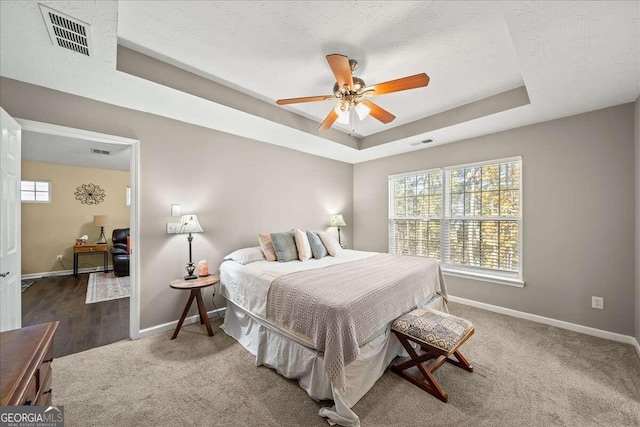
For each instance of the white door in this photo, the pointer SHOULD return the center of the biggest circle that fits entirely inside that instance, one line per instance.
(10, 297)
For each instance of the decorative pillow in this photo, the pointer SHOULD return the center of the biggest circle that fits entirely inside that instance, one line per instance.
(267, 246)
(317, 248)
(302, 243)
(330, 242)
(247, 255)
(284, 244)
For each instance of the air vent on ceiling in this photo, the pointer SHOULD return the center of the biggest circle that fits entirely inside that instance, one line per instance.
(423, 142)
(98, 151)
(67, 32)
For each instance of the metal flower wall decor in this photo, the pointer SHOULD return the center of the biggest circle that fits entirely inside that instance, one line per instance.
(90, 194)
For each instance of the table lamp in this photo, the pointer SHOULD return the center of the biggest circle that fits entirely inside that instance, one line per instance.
(101, 221)
(338, 221)
(189, 224)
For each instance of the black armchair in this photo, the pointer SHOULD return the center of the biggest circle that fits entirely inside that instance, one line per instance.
(120, 252)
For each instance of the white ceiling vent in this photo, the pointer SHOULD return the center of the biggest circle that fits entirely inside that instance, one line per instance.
(67, 32)
(423, 142)
(99, 151)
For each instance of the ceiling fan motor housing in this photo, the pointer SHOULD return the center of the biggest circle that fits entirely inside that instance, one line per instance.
(358, 84)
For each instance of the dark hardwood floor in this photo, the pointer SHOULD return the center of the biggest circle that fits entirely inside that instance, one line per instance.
(82, 326)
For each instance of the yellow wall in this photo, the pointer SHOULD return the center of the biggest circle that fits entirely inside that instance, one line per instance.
(50, 229)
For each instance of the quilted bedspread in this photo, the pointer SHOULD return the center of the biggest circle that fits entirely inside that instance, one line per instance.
(341, 307)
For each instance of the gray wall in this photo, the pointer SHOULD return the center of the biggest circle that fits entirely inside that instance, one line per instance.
(238, 187)
(637, 152)
(578, 214)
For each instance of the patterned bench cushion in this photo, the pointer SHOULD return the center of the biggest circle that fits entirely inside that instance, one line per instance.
(435, 328)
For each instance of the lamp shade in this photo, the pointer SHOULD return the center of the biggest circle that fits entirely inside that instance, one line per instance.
(189, 224)
(101, 220)
(362, 110)
(337, 221)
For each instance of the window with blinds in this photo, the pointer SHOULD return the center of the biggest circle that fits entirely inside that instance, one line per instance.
(35, 191)
(467, 216)
(416, 213)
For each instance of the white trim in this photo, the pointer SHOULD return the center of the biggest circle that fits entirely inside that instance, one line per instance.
(61, 273)
(517, 283)
(485, 163)
(169, 326)
(48, 128)
(613, 336)
(134, 209)
(401, 175)
(636, 344)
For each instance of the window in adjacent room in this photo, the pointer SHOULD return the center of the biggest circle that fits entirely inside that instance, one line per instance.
(467, 216)
(35, 191)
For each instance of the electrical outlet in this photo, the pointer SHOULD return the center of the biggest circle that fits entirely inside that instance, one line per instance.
(173, 227)
(597, 302)
(59, 258)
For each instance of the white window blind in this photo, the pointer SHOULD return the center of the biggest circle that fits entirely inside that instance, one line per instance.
(35, 191)
(467, 216)
(416, 214)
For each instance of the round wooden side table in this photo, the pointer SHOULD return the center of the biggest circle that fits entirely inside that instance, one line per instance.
(195, 286)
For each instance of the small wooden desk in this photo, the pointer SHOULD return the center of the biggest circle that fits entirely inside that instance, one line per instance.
(90, 250)
(195, 286)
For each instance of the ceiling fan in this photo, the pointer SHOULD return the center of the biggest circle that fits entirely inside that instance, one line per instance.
(351, 90)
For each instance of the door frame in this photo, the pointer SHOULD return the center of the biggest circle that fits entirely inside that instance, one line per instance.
(134, 208)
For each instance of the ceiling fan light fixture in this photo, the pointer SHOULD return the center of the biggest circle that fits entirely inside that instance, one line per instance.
(342, 110)
(362, 110)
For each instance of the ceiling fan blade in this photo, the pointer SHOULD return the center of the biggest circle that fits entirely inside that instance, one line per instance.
(328, 122)
(341, 69)
(378, 112)
(411, 82)
(305, 99)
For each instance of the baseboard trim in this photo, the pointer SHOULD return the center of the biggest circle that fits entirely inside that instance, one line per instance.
(613, 336)
(61, 273)
(169, 326)
(637, 346)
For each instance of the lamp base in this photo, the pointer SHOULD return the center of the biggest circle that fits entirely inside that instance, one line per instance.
(102, 239)
(190, 269)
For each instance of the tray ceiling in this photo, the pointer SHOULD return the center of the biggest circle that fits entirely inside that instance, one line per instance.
(566, 57)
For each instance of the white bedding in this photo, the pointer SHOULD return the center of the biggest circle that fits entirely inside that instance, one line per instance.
(248, 285)
(294, 356)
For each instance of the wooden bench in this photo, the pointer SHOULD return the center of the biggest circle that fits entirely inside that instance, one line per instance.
(439, 335)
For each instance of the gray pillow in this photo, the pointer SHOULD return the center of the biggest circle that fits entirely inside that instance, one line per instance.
(317, 248)
(284, 244)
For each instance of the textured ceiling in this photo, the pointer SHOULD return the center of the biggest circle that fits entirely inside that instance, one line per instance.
(572, 57)
(277, 49)
(62, 150)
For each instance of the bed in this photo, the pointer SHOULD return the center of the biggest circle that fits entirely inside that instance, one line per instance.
(325, 322)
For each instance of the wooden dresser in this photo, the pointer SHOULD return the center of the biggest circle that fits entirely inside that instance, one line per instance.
(25, 365)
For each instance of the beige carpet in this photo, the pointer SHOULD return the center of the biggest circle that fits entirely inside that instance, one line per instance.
(107, 286)
(526, 374)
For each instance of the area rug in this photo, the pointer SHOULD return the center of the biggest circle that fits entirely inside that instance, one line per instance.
(106, 286)
(25, 284)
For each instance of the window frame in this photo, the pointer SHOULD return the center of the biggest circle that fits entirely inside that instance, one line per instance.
(36, 181)
(471, 272)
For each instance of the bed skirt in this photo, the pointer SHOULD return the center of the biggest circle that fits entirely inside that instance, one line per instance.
(276, 349)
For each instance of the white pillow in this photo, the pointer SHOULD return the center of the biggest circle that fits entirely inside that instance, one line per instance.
(246, 255)
(267, 246)
(330, 242)
(302, 243)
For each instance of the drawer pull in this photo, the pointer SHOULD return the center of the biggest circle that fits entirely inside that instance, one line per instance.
(48, 391)
(29, 402)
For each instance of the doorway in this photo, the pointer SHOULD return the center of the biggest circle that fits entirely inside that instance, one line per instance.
(64, 286)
